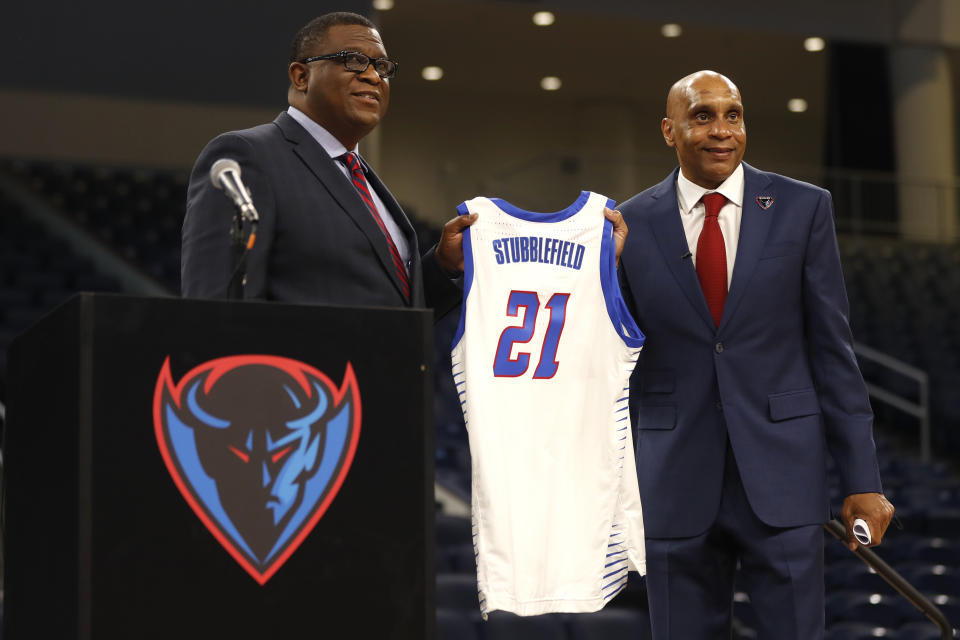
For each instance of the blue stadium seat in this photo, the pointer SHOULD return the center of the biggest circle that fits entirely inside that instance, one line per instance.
(949, 605)
(453, 530)
(837, 604)
(913, 521)
(610, 623)
(853, 574)
(453, 453)
(860, 631)
(936, 550)
(897, 546)
(460, 558)
(443, 563)
(933, 578)
(455, 480)
(877, 609)
(920, 631)
(944, 521)
(507, 626)
(457, 625)
(457, 592)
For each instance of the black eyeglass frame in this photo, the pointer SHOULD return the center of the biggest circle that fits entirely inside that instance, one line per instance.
(342, 55)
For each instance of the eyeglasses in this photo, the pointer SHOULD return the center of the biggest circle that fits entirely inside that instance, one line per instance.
(358, 62)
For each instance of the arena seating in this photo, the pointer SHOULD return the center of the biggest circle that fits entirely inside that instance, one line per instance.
(610, 623)
(37, 272)
(903, 301)
(137, 212)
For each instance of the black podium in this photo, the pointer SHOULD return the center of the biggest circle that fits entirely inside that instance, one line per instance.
(209, 469)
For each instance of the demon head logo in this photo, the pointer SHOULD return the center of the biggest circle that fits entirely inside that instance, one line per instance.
(259, 446)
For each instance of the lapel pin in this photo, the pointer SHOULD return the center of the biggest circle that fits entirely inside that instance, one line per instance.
(765, 202)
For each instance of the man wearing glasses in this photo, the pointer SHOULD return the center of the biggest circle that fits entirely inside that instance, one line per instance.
(329, 231)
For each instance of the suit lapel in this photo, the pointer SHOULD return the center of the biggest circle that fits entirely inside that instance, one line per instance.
(668, 230)
(754, 226)
(339, 186)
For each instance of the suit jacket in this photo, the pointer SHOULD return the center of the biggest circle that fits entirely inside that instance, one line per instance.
(316, 243)
(778, 377)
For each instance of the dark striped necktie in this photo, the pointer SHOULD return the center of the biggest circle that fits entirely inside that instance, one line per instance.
(360, 182)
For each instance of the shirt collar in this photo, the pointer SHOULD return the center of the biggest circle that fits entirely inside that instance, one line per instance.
(324, 138)
(689, 194)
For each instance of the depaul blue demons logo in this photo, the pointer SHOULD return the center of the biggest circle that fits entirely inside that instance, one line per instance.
(259, 446)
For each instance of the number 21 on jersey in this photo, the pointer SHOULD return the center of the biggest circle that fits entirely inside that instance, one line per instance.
(506, 367)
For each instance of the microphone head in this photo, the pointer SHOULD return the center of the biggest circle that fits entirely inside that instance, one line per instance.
(220, 167)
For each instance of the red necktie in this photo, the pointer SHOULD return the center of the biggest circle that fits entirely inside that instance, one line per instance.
(360, 182)
(712, 257)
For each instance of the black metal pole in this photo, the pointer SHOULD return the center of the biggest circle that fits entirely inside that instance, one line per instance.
(238, 255)
(895, 580)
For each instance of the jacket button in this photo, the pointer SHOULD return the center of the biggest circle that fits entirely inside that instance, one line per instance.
(719, 406)
(718, 347)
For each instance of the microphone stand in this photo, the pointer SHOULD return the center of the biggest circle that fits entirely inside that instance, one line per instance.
(225, 176)
(239, 248)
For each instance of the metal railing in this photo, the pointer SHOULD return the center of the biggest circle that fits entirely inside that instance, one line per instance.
(896, 581)
(919, 410)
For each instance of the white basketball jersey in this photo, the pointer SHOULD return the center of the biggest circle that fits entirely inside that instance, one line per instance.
(542, 360)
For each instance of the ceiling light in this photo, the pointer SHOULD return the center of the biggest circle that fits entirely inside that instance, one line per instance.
(550, 83)
(671, 30)
(383, 5)
(543, 18)
(797, 105)
(814, 44)
(431, 73)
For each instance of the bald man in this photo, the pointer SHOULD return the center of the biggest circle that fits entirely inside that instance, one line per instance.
(747, 380)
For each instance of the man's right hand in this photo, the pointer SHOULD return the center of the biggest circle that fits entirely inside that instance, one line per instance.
(449, 251)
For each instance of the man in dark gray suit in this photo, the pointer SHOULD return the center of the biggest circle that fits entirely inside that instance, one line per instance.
(330, 232)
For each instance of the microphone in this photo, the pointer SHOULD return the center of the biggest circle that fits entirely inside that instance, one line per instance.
(686, 255)
(225, 175)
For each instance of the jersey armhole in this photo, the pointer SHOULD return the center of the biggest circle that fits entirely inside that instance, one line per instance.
(463, 210)
(623, 323)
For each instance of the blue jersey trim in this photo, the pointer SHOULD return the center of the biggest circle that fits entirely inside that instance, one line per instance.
(531, 216)
(467, 275)
(623, 322)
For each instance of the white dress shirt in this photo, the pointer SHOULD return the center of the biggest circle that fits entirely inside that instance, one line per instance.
(692, 214)
(335, 149)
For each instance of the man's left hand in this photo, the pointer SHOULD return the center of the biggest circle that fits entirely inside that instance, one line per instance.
(619, 229)
(449, 251)
(874, 509)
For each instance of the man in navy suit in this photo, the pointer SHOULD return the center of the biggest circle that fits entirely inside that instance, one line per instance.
(322, 238)
(747, 380)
